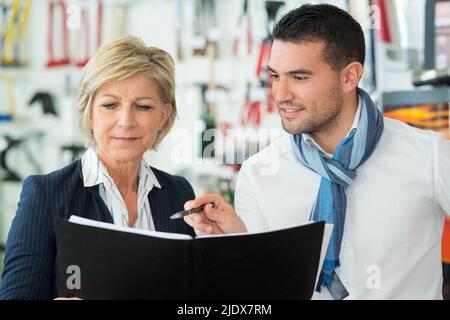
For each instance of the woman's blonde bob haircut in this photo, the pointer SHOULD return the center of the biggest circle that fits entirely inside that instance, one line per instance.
(120, 59)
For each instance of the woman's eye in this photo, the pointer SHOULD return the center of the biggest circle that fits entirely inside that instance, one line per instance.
(143, 107)
(109, 106)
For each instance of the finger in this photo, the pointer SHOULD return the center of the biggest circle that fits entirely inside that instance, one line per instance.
(194, 219)
(188, 205)
(215, 213)
(199, 223)
(214, 198)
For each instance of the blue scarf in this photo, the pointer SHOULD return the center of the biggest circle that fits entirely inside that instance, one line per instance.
(338, 174)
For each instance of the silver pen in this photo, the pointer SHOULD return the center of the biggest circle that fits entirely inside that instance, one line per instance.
(181, 214)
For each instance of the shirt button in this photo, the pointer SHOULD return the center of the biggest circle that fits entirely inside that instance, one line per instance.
(345, 243)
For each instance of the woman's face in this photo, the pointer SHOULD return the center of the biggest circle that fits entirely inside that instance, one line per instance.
(126, 118)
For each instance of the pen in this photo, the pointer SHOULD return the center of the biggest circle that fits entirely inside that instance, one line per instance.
(181, 214)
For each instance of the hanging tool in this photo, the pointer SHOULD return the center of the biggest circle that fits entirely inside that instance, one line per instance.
(81, 62)
(99, 22)
(205, 21)
(9, 174)
(251, 112)
(65, 59)
(272, 8)
(46, 101)
(244, 15)
(85, 31)
(9, 34)
(3, 25)
(75, 151)
(9, 115)
(22, 24)
(179, 29)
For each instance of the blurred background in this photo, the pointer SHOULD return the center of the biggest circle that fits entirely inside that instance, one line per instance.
(221, 48)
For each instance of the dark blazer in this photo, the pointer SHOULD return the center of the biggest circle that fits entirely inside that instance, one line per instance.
(29, 270)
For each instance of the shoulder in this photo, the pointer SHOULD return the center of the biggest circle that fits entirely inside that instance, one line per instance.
(278, 152)
(403, 130)
(398, 133)
(51, 182)
(67, 175)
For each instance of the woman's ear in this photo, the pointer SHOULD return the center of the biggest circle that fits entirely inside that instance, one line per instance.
(350, 76)
(166, 112)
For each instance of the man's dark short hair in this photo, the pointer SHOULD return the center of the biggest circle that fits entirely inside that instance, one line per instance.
(342, 35)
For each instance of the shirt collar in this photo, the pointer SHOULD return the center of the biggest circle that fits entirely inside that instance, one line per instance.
(95, 173)
(308, 138)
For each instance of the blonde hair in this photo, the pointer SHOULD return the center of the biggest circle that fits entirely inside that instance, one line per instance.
(120, 59)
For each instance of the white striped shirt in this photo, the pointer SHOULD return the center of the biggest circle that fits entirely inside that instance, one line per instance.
(95, 173)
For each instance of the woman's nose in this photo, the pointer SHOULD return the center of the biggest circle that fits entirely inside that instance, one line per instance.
(126, 116)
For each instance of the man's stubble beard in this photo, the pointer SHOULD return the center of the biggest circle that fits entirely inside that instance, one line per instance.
(320, 123)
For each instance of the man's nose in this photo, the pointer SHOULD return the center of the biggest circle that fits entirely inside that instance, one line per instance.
(282, 91)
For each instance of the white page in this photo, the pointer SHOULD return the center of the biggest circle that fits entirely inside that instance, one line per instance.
(110, 226)
(326, 240)
(248, 233)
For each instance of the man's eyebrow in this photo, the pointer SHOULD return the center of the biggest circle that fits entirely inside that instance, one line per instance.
(294, 72)
(300, 71)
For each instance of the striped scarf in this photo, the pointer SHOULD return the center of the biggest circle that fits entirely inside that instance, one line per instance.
(338, 174)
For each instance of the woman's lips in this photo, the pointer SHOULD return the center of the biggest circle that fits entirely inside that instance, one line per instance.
(125, 139)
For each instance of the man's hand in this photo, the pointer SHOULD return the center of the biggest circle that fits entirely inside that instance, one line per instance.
(219, 219)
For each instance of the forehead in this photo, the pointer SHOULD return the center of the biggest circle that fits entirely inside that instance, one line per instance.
(139, 84)
(287, 56)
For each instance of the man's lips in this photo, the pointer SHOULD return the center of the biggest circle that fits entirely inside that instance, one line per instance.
(288, 112)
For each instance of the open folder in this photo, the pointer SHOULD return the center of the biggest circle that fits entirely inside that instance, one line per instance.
(97, 260)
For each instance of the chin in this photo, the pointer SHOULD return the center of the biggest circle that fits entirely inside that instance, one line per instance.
(292, 128)
(126, 155)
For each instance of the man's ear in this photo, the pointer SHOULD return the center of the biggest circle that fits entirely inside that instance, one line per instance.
(350, 76)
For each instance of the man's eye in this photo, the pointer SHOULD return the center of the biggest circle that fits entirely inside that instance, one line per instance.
(300, 78)
(109, 106)
(274, 76)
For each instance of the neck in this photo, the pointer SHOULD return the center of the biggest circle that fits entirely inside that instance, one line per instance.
(124, 174)
(332, 135)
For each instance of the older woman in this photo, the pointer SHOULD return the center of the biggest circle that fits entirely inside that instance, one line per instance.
(127, 106)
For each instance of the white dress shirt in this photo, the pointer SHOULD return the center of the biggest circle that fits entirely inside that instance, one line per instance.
(391, 247)
(94, 173)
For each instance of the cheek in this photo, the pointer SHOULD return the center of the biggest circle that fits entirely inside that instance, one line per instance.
(101, 127)
(151, 127)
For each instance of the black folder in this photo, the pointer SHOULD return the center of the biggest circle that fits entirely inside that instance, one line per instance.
(113, 264)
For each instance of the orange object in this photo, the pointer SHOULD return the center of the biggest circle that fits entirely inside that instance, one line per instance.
(433, 117)
(427, 116)
(446, 242)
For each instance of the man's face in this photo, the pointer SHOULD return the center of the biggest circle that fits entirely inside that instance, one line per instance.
(306, 89)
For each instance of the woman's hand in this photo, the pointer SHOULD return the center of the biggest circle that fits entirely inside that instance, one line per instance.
(218, 219)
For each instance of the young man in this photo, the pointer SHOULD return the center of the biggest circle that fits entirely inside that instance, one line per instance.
(384, 185)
